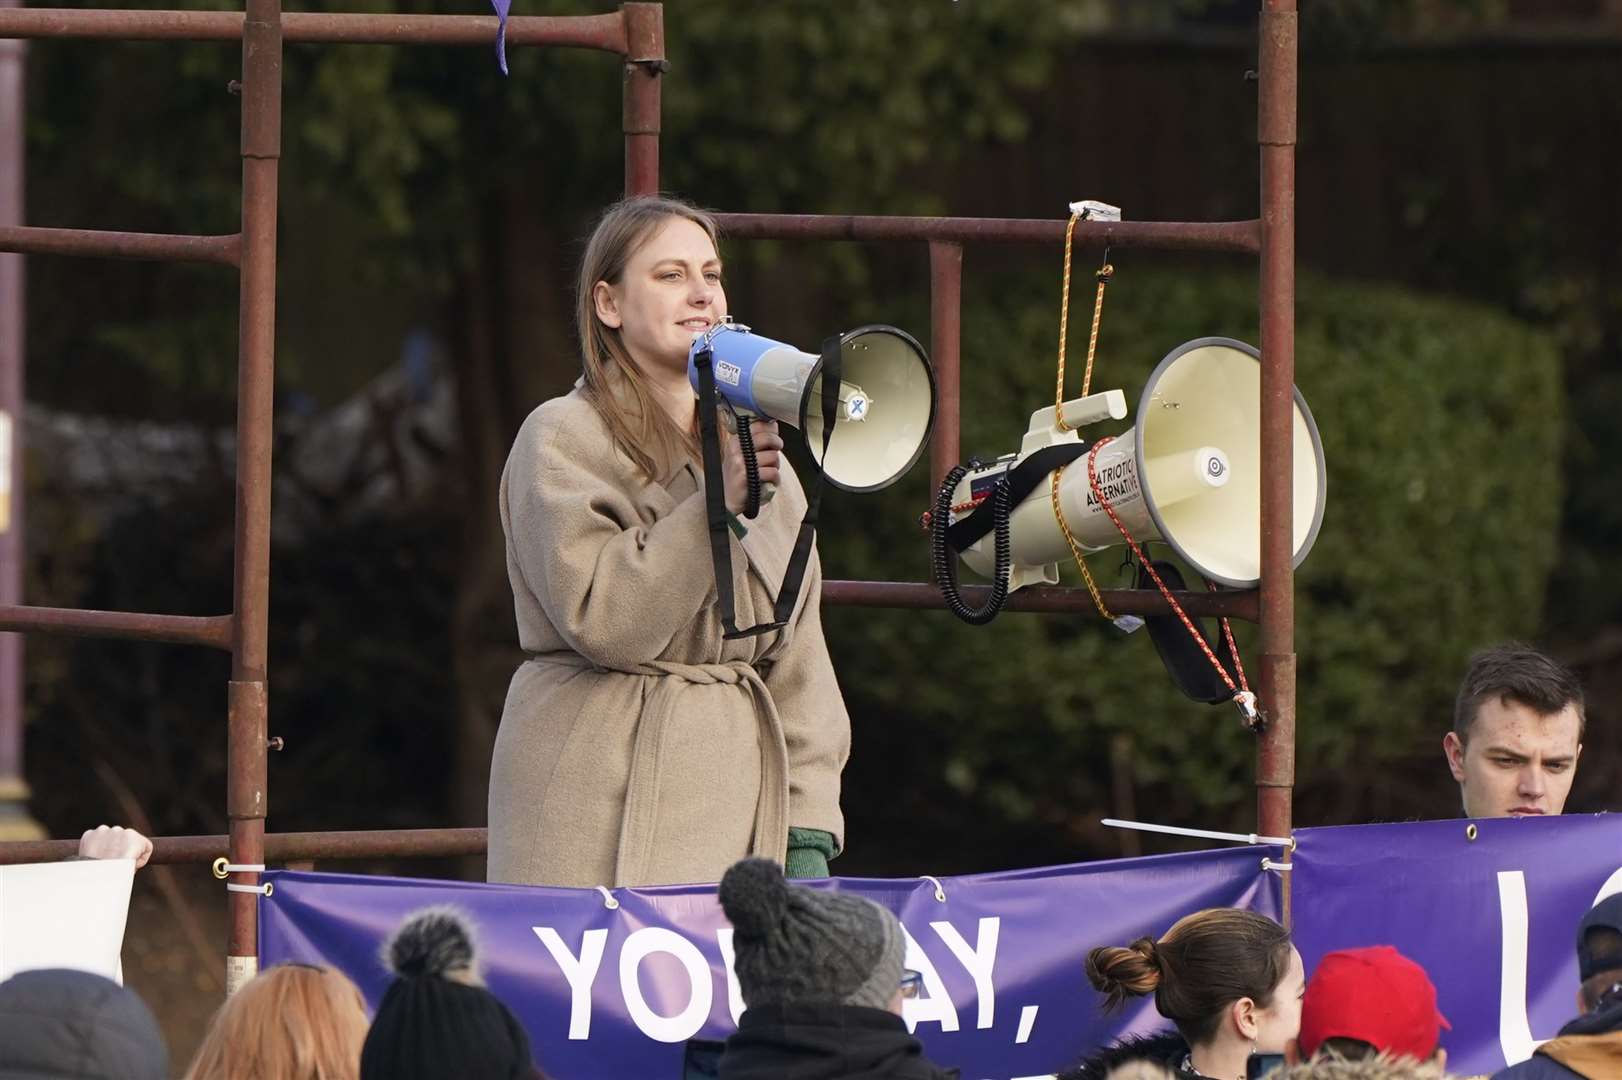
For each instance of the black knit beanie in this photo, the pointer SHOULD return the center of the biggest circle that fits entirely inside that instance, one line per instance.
(793, 945)
(436, 1021)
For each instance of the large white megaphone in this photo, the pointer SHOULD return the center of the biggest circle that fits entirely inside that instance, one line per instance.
(886, 396)
(1188, 474)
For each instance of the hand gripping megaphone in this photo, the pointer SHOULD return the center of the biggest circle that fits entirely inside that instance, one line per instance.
(886, 397)
(864, 407)
(1188, 474)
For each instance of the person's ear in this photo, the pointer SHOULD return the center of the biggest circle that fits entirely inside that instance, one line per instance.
(1243, 1012)
(1453, 747)
(608, 312)
(1582, 1002)
(1292, 1051)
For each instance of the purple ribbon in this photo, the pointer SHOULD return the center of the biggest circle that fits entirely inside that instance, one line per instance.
(502, 7)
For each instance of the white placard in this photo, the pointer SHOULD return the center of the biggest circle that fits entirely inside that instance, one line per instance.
(64, 915)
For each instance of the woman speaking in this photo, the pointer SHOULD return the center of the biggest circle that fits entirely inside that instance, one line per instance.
(637, 746)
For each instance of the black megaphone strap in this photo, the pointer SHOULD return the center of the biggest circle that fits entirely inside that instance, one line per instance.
(1021, 480)
(1187, 664)
(715, 507)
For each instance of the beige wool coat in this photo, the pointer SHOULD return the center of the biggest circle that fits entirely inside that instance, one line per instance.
(636, 746)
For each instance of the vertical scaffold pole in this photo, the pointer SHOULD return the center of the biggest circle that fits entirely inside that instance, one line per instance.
(644, 75)
(945, 341)
(246, 781)
(15, 822)
(1276, 134)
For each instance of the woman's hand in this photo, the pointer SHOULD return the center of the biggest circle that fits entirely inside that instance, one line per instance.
(768, 454)
(115, 842)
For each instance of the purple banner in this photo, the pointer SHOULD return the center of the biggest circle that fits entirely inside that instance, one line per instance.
(615, 984)
(1489, 907)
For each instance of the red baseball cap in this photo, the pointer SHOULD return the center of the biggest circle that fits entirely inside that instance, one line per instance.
(1374, 995)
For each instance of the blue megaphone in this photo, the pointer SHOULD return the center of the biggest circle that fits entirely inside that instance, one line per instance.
(886, 396)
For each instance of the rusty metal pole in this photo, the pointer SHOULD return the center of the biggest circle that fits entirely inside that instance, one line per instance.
(604, 32)
(15, 823)
(644, 73)
(246, 779)
(1276, 128)
(1243, 237)
(945, 341)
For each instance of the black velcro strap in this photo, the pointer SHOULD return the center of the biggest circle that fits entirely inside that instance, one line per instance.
(715, 507)
(715, 496)
(1021, 480)
(1186, 663)
(794, 576)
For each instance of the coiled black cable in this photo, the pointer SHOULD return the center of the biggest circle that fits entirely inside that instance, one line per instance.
(944, 560)
(751, 468)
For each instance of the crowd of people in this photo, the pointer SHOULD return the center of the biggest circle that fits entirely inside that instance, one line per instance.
(436, 1021)
(823, 985)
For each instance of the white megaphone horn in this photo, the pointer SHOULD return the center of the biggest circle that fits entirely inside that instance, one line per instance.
(886, 397)
(1188, 475)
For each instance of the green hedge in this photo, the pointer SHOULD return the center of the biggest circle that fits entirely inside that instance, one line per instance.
(1441, 424)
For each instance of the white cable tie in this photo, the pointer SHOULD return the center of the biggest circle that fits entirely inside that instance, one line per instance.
(608, 898)
(1203, 834)
(1093, 210)
(940, 892)
(265, 890)
(244, 868)
(1269, 864)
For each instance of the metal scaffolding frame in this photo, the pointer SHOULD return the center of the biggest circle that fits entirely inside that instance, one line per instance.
(635, 33)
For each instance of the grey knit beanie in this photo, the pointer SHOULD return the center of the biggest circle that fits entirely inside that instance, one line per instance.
(793, 945)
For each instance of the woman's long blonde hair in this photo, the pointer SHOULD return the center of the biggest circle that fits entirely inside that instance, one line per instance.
(292, 1022)
(615, 385)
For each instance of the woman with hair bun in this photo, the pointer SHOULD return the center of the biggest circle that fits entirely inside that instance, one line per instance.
(1230, 980)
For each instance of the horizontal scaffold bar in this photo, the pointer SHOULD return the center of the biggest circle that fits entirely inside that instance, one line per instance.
(1238, 236)
(28, 240)
(912, 594)
(280, 847)
(210, 630)
(605, 32)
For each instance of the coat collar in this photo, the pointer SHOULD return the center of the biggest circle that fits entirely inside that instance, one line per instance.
(825, 1042)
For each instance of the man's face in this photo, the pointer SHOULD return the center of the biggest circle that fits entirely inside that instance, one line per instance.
(1516, 761)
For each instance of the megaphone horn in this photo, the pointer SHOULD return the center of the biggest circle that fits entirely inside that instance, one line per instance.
(886, 397)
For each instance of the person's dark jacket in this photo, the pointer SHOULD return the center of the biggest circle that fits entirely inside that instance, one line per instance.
(1168, 1049)
(1590, 1047)
(825, 1042)
(59, 1023)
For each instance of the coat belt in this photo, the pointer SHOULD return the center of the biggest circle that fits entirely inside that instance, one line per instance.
(659, 708)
